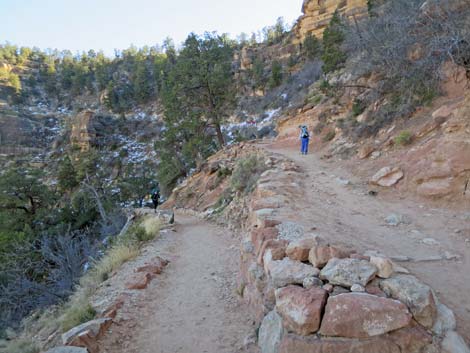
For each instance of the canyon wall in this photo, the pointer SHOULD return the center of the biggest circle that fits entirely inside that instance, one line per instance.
(317, 15)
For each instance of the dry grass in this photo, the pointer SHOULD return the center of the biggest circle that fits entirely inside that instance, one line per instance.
(151, 226)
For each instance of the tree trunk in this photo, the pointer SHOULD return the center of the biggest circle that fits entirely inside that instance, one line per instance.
(220, 136)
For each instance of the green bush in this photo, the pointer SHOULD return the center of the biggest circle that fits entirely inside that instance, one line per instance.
(358, 107)
(246, 173)
(403, 138)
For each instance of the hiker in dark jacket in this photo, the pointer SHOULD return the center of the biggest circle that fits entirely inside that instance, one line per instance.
(304, 139)
(155, 199)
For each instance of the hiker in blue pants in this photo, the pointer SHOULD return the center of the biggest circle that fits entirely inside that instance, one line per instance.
(304, 138)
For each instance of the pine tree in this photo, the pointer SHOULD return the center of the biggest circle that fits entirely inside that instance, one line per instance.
(67, 176)
(311, 47)
(276, 74)
(333, 37)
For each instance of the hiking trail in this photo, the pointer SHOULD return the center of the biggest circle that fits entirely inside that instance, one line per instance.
(192, 306)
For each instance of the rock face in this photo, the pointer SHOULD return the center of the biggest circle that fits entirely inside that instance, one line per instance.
(287, 271)
(270, 333)
(317, 14)
(360, 315)
(86, 128)
(301, 308)
(416, 295)
(387, 176)
(346, 272)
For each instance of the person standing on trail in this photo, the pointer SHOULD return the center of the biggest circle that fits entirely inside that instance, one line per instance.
(155, 199)
(155, 196)
(304, 139)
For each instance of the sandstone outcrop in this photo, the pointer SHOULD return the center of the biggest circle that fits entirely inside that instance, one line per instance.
(317, 14)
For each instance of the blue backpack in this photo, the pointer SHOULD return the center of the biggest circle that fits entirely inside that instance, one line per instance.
(305, 133)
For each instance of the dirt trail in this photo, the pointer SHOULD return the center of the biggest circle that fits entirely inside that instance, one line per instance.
(347, 213)
(192, 307)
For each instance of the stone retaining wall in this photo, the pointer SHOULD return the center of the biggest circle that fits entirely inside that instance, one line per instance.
(312, 296)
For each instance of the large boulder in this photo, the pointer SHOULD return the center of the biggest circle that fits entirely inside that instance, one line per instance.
(346, 272)
(321, 254)
(270, 333)
(286, 271)
(360, 315)
(417, 296)
(301, 308)
(387, 176)
(312, 344)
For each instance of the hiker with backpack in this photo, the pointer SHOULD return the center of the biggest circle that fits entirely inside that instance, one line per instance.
(155, 196)
(155, 199)
(304, 139)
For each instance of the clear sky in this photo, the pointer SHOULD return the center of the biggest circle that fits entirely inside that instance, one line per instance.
(108, 24)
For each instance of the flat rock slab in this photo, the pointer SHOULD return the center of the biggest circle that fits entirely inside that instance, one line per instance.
(346, 272)
(416, 295)
(287, 271)
(360, 315)
(93, 328)
(301, 308)
(387, 176)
